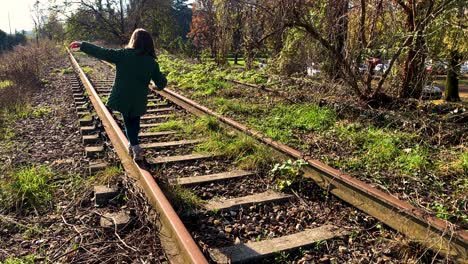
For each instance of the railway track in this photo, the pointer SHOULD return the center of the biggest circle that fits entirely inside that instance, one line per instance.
(241, 218)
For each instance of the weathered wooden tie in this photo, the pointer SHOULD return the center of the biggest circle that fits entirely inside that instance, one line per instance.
(253, 251)
(168, 144)
(188, 181)
(265, 197)
(181, 158)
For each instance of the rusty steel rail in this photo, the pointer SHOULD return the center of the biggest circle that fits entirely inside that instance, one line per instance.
(416, 224)
(176, 240)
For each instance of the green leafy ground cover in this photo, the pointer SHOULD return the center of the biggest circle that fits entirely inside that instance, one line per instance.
(400, 161)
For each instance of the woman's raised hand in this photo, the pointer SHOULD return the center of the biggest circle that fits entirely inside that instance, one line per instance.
(75, 45)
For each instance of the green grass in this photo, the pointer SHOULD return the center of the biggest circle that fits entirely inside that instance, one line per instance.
(26, 111)
(5, 84)
(66, 71)
(29, 259)
(376, 148)
(244, 150)
(27, 187)
(200, 126)
(106, 176)
(87, 70)
(461, 163)
(282, 120)
(413, 160)
(183, 200)
(177, 125)
(235, 106)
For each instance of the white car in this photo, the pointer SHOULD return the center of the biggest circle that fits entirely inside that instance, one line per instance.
(363, 68)
(464, 68)
(431, 92)
(380, 68)
(311, 71)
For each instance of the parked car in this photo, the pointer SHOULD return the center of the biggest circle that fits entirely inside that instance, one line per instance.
(431, 92)
(437, 68)
(381, 68)
(464, 68)
(363, 68)
(313, 71)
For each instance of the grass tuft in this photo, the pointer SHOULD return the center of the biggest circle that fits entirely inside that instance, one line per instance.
(27, 188)
(29, 259)
(177, 125)
(184, 200)
(106, 176)
(87, 70)
(5, 84)
(66, 71)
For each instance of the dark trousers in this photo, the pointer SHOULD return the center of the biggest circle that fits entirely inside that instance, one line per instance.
(132, 128)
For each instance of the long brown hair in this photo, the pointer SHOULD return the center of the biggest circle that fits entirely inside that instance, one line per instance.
(143, 41)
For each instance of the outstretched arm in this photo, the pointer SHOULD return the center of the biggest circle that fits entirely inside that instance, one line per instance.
(110, 55)
(158, 78)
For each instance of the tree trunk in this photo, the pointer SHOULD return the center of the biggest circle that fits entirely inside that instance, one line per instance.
(339, 36)
(249, 57)
(122, 21)
(453, 74)
(414, 72)
(236, 58)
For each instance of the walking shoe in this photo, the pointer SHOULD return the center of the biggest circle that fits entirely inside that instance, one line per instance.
(130, 150)
(137, 153)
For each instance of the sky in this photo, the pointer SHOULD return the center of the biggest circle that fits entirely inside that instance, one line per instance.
(20, 15)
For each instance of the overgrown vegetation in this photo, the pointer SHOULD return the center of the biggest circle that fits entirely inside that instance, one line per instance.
(380, 154)
(105, 177)
(288, 175)
(29, 259)
(27, 188)
(21, 72)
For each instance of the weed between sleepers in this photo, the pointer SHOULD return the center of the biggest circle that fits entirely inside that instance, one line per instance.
(184, 200)
(288, 174)
(87, 70)
(105, 177)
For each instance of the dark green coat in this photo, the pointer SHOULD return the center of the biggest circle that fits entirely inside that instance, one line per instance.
(134, 72)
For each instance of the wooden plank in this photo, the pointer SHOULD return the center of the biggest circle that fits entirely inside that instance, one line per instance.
(157, 134)
(158, 105)
(172, 159)
(148, 117)
(168, 144)
(265, 197)
(259, 250)
(213, 177)
(150, 125)
(158, 110)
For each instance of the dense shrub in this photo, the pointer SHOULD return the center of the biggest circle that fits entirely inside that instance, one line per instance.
(20, 74)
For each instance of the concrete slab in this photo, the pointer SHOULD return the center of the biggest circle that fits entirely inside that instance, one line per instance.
(88, 130)
(119, 219)
(103, 194)
(91, 139)
(94, 151)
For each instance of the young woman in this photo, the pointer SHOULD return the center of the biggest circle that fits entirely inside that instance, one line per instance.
(135, 66)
